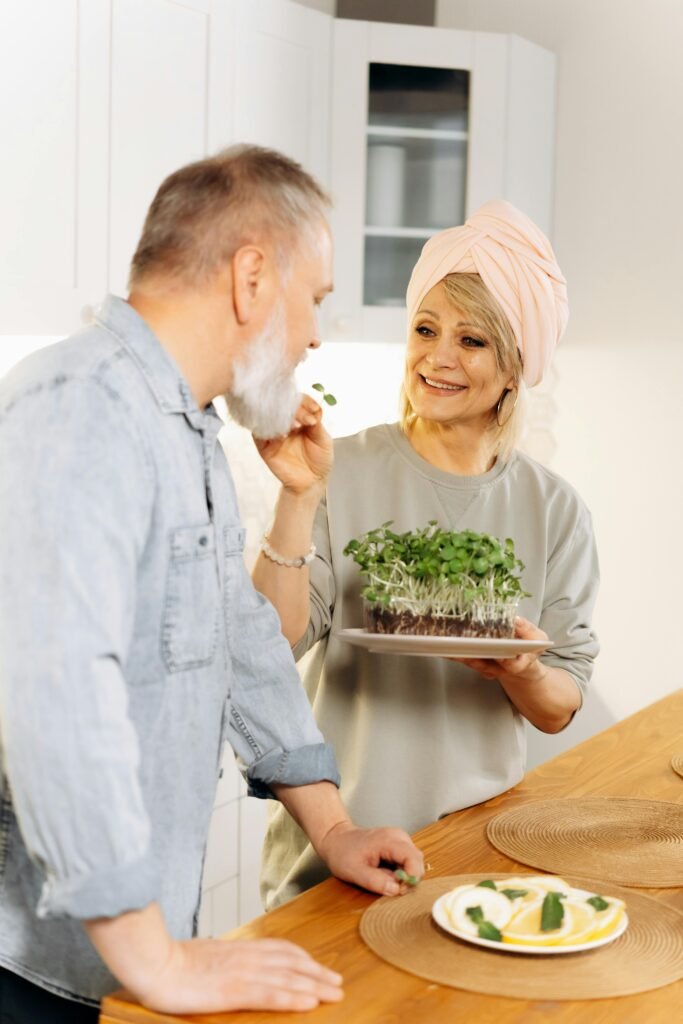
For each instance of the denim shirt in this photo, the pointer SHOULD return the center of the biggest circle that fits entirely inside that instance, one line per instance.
(132, 644)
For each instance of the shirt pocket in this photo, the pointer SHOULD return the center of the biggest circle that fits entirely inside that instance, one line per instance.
(192, 603)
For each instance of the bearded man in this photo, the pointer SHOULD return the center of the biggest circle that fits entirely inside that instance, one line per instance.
(132, 642)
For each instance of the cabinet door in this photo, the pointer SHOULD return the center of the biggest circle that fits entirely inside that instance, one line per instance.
(428, 124)
(54, 71)
(281, 84)
(166, 59)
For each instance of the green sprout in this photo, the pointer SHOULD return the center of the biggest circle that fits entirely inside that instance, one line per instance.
(330, 399)
(437, 572)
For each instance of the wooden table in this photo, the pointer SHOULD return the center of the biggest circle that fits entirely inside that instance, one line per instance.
(630, 759)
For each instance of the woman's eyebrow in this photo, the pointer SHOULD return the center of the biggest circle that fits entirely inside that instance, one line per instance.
(429, 312)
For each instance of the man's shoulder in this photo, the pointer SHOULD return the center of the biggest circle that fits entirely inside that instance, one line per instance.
(83, 360)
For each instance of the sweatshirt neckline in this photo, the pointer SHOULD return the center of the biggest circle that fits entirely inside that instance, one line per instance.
(442, 476)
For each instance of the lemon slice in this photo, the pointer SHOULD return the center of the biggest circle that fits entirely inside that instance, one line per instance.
(525, 927)
(495, 907)
(583, 917)
(533, 890)
(608, 920)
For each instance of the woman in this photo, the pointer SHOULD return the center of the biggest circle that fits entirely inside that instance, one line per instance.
(417, 738)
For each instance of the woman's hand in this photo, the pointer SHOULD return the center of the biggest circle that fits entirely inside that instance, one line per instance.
(522, 668)
(547, 696)
(302, 459)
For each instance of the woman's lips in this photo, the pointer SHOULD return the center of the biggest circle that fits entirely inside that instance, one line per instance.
(440, 387)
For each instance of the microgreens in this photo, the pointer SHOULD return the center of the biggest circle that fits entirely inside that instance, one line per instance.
(330, 399)
(436, 572)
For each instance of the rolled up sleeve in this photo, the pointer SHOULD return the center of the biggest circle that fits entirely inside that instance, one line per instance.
(272, 728)
(74, 513)
(572, 581)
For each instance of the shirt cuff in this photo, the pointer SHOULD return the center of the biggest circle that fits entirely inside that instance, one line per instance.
(301, 767)
(105, 893)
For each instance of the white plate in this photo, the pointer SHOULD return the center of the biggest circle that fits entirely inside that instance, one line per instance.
(441, 917)
(440, 646)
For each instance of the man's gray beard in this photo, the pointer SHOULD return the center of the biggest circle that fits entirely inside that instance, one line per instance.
(264, 396)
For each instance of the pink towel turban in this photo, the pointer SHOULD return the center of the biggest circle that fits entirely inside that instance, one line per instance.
(517, 265)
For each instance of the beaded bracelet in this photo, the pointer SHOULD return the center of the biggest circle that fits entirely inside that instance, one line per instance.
(289, 563)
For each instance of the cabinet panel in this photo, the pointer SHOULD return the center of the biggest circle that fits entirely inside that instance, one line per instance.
(159, 110)
(282, 80)
(53, 176)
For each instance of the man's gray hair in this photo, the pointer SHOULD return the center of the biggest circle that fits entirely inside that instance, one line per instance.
(204, 212)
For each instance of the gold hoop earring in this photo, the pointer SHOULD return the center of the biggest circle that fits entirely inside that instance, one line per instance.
(499, 406)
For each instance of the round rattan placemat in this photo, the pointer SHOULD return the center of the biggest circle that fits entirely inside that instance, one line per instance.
(677, 763)
(648, 955)
(632, 842)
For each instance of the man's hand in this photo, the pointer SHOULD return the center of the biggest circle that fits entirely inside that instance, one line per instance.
(356, 855)
(208, 975)
(301, 460)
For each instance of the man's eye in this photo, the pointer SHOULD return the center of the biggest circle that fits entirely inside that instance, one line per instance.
(473, 342)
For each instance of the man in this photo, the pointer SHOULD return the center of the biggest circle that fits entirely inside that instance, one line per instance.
(132, 643)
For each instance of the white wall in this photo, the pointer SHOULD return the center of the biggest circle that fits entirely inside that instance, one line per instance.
(326, 6)
(618, 234)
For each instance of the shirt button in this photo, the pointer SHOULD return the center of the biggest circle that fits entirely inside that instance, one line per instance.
(203, 540)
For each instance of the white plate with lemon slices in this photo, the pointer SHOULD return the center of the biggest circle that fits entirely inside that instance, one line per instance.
(507, 915)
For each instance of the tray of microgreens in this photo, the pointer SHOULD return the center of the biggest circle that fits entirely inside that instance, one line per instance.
(436, 582)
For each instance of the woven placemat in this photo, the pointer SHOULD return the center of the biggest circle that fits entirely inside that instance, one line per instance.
(648, 955)
(634, 842)
(677, 763)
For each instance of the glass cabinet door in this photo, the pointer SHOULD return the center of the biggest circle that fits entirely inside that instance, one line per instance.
(416, 170)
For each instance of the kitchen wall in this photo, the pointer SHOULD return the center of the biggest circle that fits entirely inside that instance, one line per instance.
(618, 234)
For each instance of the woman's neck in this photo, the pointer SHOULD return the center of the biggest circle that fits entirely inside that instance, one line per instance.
(464, 450)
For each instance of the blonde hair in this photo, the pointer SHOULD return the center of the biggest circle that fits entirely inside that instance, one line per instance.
(471, 296)
(204, 212)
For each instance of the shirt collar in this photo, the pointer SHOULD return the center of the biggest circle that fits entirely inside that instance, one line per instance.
(163, 376)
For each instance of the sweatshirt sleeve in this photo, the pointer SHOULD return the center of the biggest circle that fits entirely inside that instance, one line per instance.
(74, 514)
(572, 580)
(323, 589)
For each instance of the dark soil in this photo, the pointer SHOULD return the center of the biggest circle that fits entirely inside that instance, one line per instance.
(383, 620)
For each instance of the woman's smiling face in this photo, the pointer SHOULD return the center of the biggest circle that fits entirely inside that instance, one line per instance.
(451, 373)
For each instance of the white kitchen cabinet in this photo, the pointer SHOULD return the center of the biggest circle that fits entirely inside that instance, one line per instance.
(427, 124)
(54, 80)
(282, 80)
(101, 100)
(170, 103)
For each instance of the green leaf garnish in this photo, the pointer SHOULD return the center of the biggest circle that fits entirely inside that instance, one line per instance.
(317, 387)
(514, 894)
(330, 399)
(475, 914)
(487, 884)
(598, 903)
(489, 931)
(552, 911)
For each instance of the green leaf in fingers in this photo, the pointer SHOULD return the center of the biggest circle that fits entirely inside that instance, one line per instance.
(402, 876)
(330, 399)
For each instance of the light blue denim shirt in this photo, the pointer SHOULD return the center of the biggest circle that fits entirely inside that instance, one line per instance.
(132, 644)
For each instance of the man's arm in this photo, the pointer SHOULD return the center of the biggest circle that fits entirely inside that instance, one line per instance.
(208, 975)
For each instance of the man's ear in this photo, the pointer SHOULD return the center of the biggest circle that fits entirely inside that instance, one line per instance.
(248, 270)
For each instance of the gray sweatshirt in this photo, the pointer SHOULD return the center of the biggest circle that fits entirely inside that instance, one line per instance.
(418, 738)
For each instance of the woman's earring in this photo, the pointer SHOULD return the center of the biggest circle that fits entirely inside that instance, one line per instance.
(501, 402)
